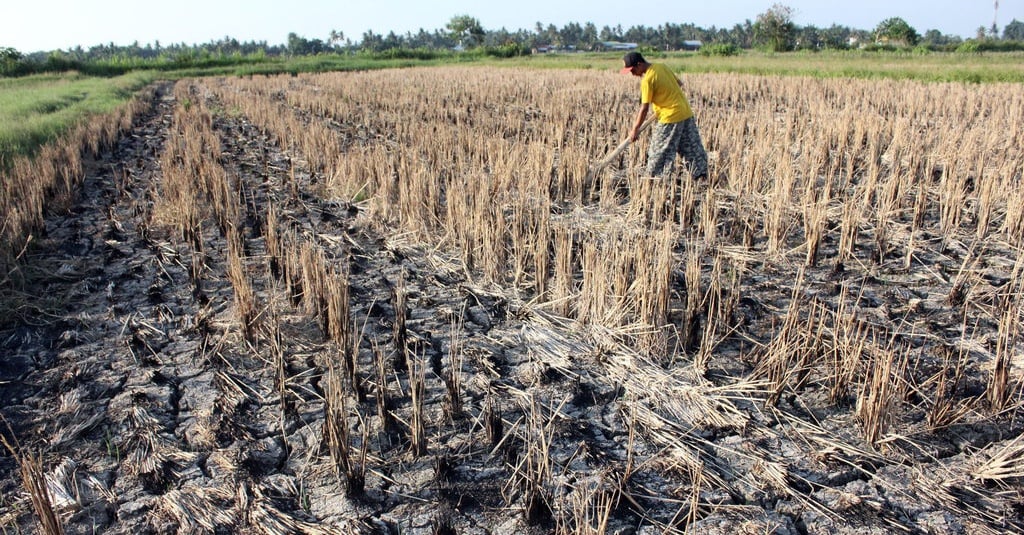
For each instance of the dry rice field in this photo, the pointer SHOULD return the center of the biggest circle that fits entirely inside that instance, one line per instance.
(402, 301)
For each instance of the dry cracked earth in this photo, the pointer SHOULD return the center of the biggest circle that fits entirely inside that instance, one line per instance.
(151, 413)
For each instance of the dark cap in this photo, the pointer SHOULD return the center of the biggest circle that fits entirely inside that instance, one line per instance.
(630, 60)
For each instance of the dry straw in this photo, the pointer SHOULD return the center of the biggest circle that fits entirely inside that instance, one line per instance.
(496, 167)
(33, 480)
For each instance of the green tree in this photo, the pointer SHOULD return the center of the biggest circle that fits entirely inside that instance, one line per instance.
(1014, 31)
(774, 29)
(571, 34)
(937, 38)
(809, 38)
(589, 35)
(742, 35)
(371, 42)
(336, 38)
(895, 30)
(668, 37)
(10, 61)
(837, 37)
(9, 54)
(300, 46)
(466, 30)
(552, 36)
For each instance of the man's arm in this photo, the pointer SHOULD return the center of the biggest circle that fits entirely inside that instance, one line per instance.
(641, 114)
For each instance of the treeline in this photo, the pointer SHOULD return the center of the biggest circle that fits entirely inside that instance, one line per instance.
(111, 59)
(464, 34)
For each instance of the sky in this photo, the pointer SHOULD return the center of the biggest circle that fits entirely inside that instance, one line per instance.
(45, 25)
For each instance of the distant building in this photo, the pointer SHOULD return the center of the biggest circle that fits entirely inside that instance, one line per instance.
(614, 45)
(692, 45)
(544, 49)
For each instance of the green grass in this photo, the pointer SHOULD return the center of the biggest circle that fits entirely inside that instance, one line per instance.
(909, 65)
(37, 109)
(323, 63)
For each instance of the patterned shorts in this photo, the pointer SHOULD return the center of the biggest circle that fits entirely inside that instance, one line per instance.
(680, 138)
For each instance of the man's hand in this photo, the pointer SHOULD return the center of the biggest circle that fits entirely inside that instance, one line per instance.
(638, 124)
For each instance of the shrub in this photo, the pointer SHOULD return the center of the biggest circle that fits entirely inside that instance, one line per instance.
(719, 49)
(968, 47)
(508, 50)
(12, 63)
(419, 53)
(880, 47)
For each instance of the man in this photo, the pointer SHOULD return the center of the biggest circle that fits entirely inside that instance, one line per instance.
(676, 131)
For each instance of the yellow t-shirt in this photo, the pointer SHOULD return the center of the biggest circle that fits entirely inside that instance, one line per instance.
(660, 88)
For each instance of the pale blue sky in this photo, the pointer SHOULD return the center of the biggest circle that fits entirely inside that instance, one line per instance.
(33, 25)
